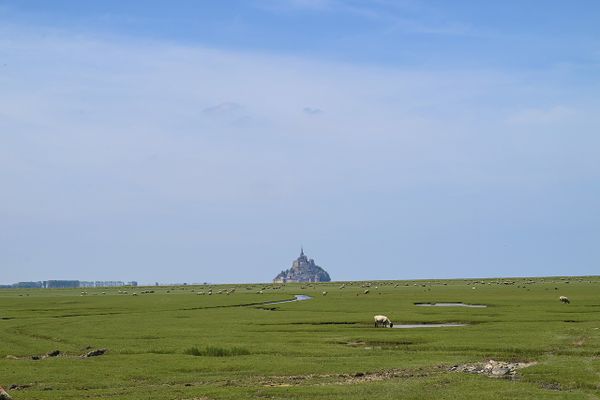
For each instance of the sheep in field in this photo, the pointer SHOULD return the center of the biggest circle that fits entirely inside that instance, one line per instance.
(382, 320)
(4, 395)
(564, 299)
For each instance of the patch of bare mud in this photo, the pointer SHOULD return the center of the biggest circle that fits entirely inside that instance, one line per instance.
(345, 379)
(493, 368)
(58, 353)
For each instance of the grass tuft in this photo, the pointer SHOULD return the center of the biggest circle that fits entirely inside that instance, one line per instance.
(215, 351)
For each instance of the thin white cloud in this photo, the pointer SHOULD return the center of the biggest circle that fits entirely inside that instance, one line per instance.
(548, 115)
(398, 16)
(313, 4)
(286, 5)
(222, 108)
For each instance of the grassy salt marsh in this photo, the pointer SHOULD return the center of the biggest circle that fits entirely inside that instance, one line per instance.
(178, 344)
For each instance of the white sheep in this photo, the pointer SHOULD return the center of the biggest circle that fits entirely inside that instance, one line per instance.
(564, 299)
(4, 395)
(382, 320)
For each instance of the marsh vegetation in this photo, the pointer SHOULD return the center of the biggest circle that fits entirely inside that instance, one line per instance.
(176, 344)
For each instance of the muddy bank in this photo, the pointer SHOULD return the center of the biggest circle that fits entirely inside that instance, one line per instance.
(352, 378)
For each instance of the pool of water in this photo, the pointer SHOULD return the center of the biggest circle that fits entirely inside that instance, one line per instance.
(297, 297)
(411, 326)
(450, 305)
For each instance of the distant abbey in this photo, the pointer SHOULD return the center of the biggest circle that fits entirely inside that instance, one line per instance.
(303, 270)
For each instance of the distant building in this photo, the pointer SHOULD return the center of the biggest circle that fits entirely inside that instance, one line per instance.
(59, 284)
(27, 285)
(109, 283)
(303, 270)
(67, 284)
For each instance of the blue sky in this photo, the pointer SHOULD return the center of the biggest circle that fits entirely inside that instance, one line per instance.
(205, 141)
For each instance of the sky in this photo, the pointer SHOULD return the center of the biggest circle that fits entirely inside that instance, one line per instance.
(201, 141)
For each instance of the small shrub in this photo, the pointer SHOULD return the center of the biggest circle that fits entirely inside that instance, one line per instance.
(215, 351)
(193, 351)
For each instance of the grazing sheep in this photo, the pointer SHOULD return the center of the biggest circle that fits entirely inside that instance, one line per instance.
(367, 291)
(4, 395)
(324, 293)
(382, 320)
(564, 299)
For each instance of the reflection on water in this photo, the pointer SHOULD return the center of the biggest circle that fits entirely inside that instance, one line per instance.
(410, 326)
(450, 305)
(298, 297)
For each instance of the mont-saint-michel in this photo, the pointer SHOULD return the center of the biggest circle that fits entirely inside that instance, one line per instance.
(303, 269)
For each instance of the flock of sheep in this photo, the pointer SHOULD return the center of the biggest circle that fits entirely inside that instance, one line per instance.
(379, 320)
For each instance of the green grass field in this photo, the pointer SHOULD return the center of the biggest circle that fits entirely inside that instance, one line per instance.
(176, 344)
